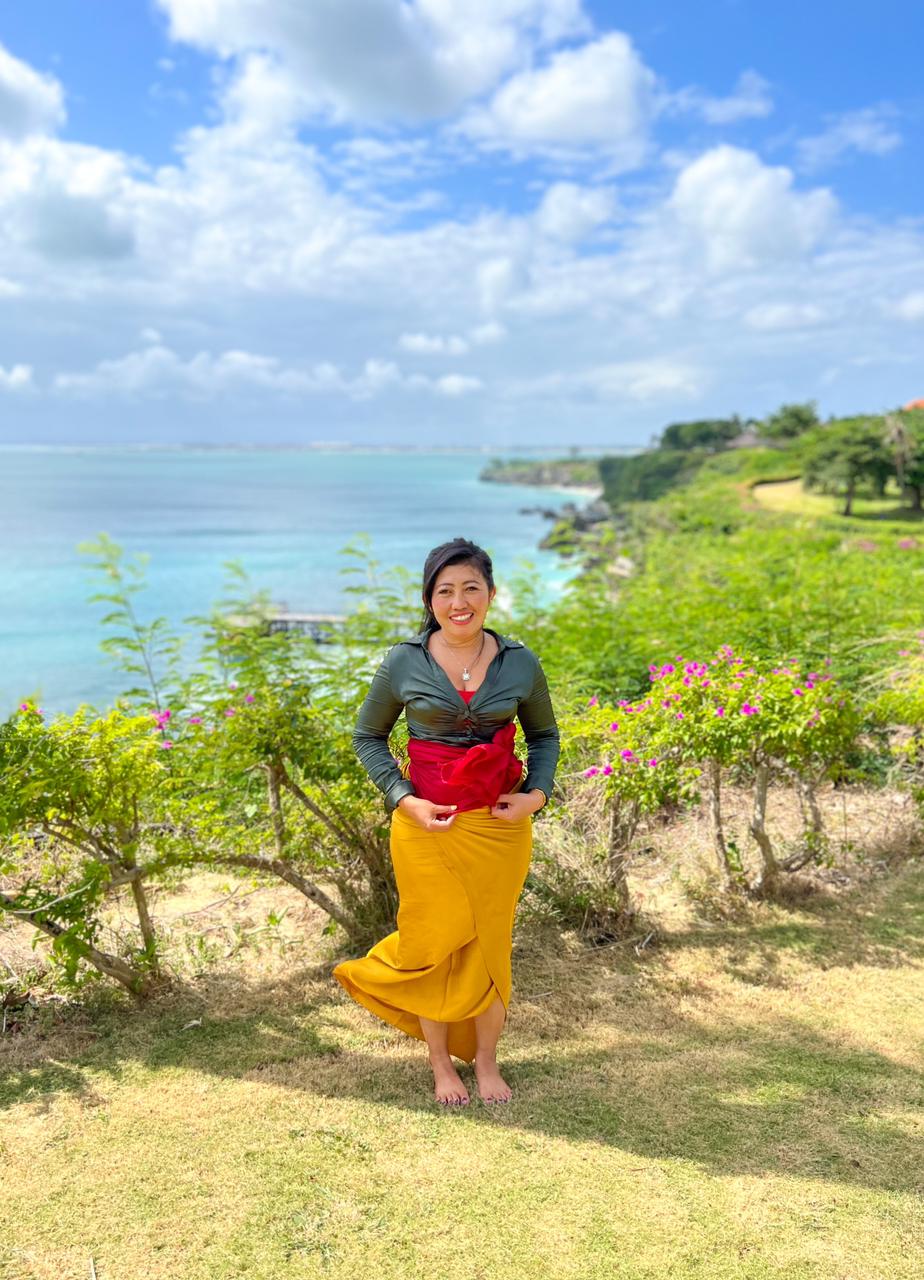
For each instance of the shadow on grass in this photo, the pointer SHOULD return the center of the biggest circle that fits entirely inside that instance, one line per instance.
(733, 1096)
(903, 515)
(878, 925)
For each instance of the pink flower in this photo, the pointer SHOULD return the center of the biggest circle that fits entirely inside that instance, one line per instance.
(167, 744)
(248, 697)
(748, 710)
(679, 715)
(706, 684)
(24, 707)
(195, 719)
(720, 711)
(666, 703)
(594, 701)
(652, 762)
(797, 692)
(613, 727)
(907, 544)
(591, 772)
(230, 711)
(627, 754)
(607, 768)
(667, 669)
(233, 684)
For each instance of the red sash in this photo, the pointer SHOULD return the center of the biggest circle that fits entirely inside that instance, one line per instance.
(468, 777)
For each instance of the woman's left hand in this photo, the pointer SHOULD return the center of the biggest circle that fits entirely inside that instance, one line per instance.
(517, 805)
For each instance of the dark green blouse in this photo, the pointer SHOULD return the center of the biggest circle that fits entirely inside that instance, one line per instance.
(410, 680)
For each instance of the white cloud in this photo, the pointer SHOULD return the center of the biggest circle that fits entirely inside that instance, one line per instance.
(741, 212)
(262, 98)
(484, 335)
(157, 372)
(454, 384)
(497, 279)
(17, 378)
(771, 316)
(911, 306)
(570, 212)
(252, 240)
(62, 200)
(426, 344)
(867, 132)
(369, 59)
(654, 379)
(30, 102)
(749, 99)
(598, 95)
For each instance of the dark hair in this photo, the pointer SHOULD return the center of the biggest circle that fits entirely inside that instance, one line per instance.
(458, 551)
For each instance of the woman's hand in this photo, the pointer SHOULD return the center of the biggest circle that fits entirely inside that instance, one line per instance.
(519, 804)
(430, 816)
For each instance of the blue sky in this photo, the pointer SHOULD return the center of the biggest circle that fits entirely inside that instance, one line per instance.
(463, 221)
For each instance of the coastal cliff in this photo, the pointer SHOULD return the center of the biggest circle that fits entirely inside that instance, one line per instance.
(558, 473)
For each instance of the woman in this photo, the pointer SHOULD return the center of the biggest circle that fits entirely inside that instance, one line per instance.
(461, 830)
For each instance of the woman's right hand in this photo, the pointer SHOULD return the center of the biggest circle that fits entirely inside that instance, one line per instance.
(430, 816)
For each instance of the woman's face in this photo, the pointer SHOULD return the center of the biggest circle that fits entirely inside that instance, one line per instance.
(460, 601)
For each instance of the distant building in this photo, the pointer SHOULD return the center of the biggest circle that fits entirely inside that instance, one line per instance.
(749, 439)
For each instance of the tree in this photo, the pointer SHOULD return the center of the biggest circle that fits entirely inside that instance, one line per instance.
(790, 421)
(646, 476)
(837, 457)
(86, 810)
(905, 437)
(711, 434)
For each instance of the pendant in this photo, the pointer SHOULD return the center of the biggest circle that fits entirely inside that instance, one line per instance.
(466, 675)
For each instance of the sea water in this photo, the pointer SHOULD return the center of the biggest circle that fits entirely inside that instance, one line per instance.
(285, 515)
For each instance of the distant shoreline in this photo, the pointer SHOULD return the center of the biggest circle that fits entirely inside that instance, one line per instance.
(320, 447)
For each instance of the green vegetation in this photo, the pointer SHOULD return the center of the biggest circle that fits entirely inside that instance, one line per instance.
(561, 473)
(647, 476)
(710, 434)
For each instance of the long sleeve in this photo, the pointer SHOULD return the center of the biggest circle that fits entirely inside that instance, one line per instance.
(541, 732)
(377, 717)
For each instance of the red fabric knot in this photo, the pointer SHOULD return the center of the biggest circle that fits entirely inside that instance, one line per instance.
(468, 777)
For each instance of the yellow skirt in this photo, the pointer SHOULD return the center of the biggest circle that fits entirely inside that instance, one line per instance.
(449, 958)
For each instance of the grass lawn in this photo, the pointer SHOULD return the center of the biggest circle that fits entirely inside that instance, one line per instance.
(740, 1099)
(789, 496)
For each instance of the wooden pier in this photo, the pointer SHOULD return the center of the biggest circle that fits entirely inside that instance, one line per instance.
(322, 627)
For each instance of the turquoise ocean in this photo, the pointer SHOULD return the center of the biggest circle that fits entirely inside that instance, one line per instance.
(284, 514)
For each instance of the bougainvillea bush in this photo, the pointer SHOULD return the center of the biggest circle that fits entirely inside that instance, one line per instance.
(700, 718)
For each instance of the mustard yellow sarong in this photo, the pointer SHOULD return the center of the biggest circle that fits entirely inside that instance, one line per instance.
(449, 958)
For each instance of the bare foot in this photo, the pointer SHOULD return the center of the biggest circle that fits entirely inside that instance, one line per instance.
(492, 1087)
(448, 1087)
